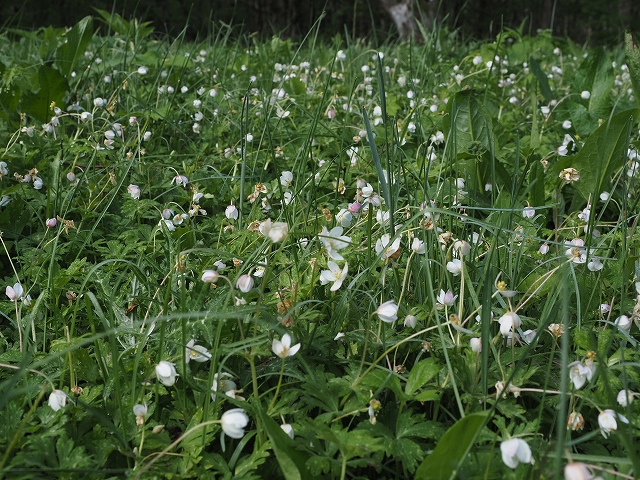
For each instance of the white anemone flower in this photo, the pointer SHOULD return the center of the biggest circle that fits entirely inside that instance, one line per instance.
(166, 373)
(283, 348)
(514, 451)
(335, 274)
(233, 422)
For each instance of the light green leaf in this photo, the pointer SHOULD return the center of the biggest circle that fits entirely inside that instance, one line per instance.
(421, 374)
(74, 46)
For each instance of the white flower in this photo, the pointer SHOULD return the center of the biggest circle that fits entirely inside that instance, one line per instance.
(410, 321)
(544, 248)
(231, 212)
(233, 422)
(607, 421)
(142, 70)
(388, 311)
(623, 323)
(385, 247)
(244, 283)
(579, 374)
(585, 94)
(51, 222)
(462, 246)
(197, 353)
(283, 348)
(509, 322)
(166, 373)
(57, 400)
(333, 240)
(575, 252)
(344, 217)
(15, 293)
(625, 397)
(514, 451)
(529, 212)
(454, 267)
(595, 264)
(288, 429)
(286, 179)
(446, 298)
(276, 231)
(210, 276)
(335, 274)
(476, 345)
(566, 124)
(223, 384)
(134, 191)
(577, 471)
(417, 246)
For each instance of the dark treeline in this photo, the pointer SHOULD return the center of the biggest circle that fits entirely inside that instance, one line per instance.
(594, 21)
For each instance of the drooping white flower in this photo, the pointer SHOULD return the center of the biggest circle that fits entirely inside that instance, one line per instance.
(344, 217)
(231, 212)
(595, 264)
(514, 451)
(222, 383)
(335, 274)
(288, 429)
(476, 344)
(417, 246)
(623, 323)
(577, 471)
(197, 353)
(608, 423)
(134, 191)
(333, 241)
(244, 283)
(625, 397)
(57, 400)
(166, 373)
(210, 276)
(410, 321)
(283, 348)
(388, 311)
(233, 422)
(509, 323)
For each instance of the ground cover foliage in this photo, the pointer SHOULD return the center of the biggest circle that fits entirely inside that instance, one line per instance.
(249, 259)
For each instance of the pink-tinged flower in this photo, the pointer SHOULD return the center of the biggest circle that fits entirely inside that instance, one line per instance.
(210, 276)
(15, 293)
(335, 274)
(388, 311)
(577, 471)
(244, 283)
(166, 373)
(509, 323)
(57, 400)
(333, 241)
(544, 248)
(283, 348)
(514, 451)
(446, 298)
(575, 251)
(180, 180)
(529, 212)
(595, 264)
(134, 191)
(233, 422)
(51, 222)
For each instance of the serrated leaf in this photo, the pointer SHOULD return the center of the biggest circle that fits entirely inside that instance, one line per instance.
(452, 449)
(421, 373)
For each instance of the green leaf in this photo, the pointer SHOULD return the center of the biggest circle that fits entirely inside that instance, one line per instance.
(74, 46)
(632, 52)
(53, 87)
(595, 75)
(468, 123)
(602, 154)
(452, 449)
(291, 461)
(543, 82)
(421, 373)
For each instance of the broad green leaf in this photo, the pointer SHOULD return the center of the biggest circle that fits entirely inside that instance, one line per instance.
(421, 374)
(603, 153)
(53, 87)
(468, 123)
(291, 461)
(596, 76)
(452, 449)
(74, 46)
